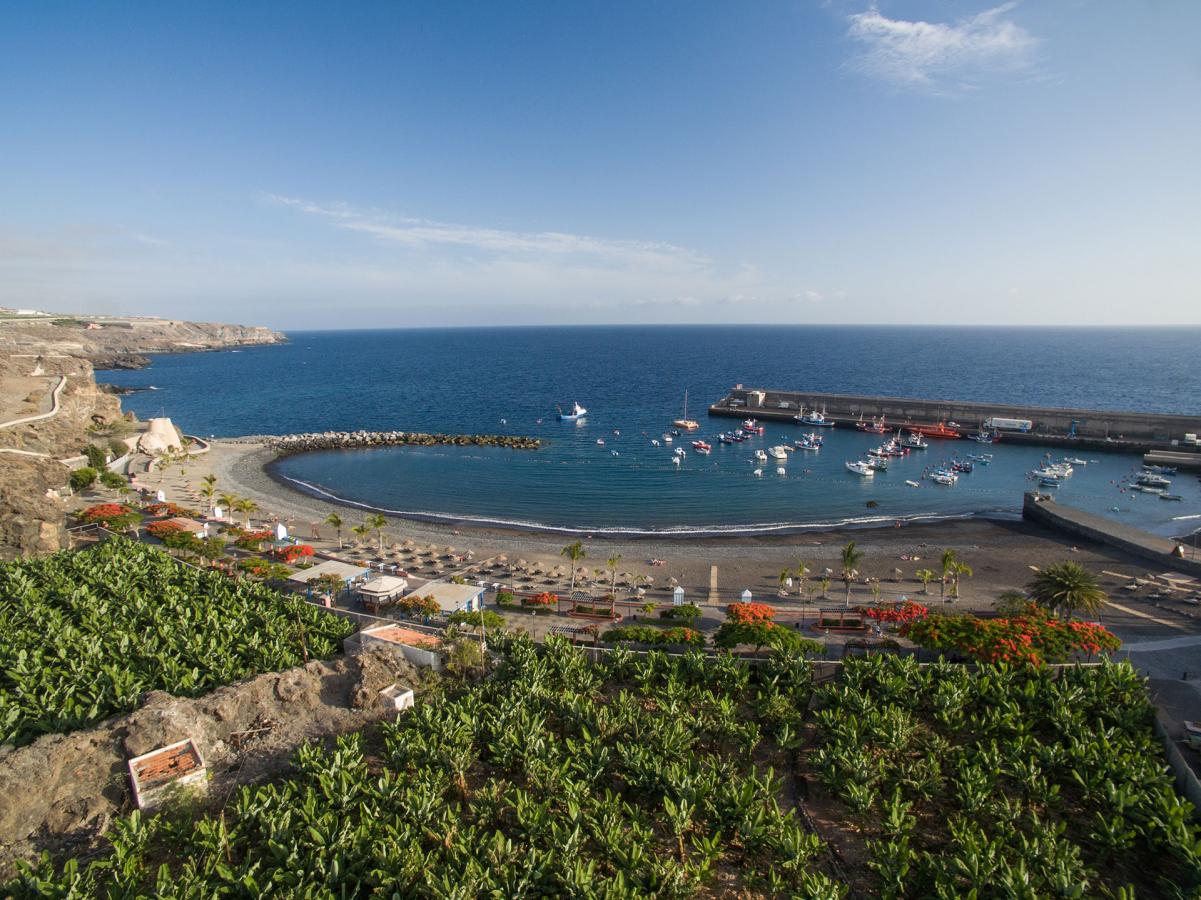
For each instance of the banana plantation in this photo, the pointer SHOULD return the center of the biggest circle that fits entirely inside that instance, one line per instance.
(650, 775)
(84, 634)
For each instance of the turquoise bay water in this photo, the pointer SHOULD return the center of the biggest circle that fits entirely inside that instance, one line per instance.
(633, 381)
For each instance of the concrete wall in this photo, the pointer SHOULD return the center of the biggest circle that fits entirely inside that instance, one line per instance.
(1093, 423)
(1186, 779)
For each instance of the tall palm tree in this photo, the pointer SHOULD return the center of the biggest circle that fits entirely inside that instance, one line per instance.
(574, 552)
(208, 491)
(211, 480)
(245, 505)
(334, 521)
(802, 574)
(851, 557)
(825, 587)
(1067, 586)
(785, 574)
(377, 522)
(948, 561)
(925, 576)
(613, 562)
(228, 500)
(959, 570)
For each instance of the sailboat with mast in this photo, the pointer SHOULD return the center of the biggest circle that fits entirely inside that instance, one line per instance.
(684, 423)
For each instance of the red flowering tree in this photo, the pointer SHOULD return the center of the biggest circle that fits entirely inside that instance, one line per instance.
(546, 598)
(111, 515)
(167, 509)
(414, 605)
(163, 528)
(1030, 638)
(291, 554)
(895, 613)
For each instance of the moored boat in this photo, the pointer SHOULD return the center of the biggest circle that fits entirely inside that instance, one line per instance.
(577, 412)
(860, 468)
(684, 422)
(778, 452)
(941, 430)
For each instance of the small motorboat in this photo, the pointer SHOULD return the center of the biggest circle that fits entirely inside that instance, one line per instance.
(983, 437)
(780, 470)
(667, 438)
(600, 442)
(806, 444)
(577, 412)
(875, 426)
(614, 453)
(879, 463)
(1160, 470)
(654, 443)
(942, 478)
(1170, 497)
(860, 468)
(1048, 481)
(679, 452)
(758, 473)
(912, 483)
(778, 452)
(1150, 480)
(1072, 460)
(760, 456)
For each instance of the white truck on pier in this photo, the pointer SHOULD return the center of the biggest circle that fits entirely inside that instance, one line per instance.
(998, 424)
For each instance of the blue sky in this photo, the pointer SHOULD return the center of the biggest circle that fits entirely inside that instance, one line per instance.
(348, 165)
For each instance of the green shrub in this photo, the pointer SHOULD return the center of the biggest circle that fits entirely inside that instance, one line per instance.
(83, 478)
(687, 613)
(112, 479)
(647, 634)
(117, 449)
(493, 621)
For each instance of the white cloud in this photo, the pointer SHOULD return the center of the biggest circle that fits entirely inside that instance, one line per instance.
(940, 57)
(420, 234)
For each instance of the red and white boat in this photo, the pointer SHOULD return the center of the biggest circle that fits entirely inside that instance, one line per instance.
(941, 430)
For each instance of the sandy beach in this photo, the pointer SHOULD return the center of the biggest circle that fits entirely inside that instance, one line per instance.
(712, 571)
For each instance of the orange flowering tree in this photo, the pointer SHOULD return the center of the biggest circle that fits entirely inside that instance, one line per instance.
(110, 515)
(749, 613)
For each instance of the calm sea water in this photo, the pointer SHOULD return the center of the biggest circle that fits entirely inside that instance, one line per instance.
(632, 379)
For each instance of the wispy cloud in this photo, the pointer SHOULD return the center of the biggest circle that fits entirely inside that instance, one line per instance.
(937, 56)
(422, 233)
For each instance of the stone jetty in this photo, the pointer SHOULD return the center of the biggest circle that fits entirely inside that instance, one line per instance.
(288, 444)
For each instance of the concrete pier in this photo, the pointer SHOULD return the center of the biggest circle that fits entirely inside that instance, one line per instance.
(1162, 551)
(1078, 428)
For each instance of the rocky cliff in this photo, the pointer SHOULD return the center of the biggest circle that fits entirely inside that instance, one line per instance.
(109, 342)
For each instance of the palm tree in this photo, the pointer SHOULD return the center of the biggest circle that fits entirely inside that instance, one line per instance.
(377, 522)
(574, 552)
(613, 562)
(850, 561)
(785, 576)
(361, 532)
(925, 576)
(334, 521)
(948, 561)
(211, 480)
(802, 573)
(208, 491)
(228, 500)
(1067, 586)
(245, 505)
(1011, 603)
(825, 587)
(959, 570)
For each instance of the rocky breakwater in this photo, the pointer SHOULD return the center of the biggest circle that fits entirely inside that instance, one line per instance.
(288, 444)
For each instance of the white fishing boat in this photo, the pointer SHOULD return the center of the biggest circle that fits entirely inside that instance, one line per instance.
(816, 419)
(684, 422)
(760, 456)
(600, 442)
(1152, 480)
(679, 452)
(942, 478)
(913, 441)
(778, 452)
(912, 483)
(880, 464)
(577, 412)
(1071, 460)
(667, 438)
(860, 468)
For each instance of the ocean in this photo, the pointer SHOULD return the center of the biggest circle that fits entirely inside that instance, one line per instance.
(633, 380)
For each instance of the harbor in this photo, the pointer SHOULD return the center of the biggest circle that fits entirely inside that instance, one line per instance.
(1088, 429)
